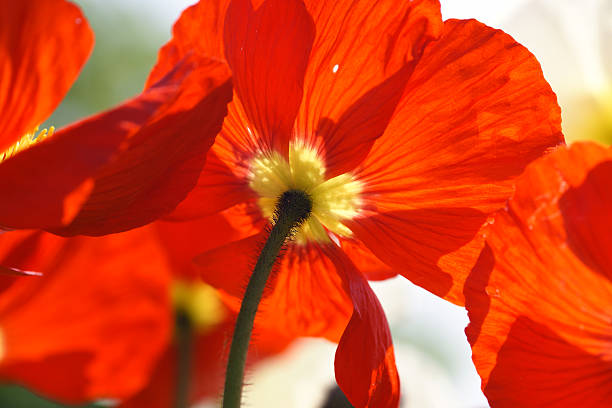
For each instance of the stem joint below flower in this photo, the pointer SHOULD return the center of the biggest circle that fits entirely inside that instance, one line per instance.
(294, 205)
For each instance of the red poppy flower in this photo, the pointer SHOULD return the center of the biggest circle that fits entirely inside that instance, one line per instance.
(94, 324)
(99, 323)
(540, 297)
(405, 131)
(113, 171)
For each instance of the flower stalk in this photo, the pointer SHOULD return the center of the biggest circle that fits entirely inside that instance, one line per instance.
(184, 345)
(292, 209)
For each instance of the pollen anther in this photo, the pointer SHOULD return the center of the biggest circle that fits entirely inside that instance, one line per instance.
(26, 141)
(334, 200)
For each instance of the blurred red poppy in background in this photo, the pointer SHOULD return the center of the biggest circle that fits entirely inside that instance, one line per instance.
(405, 131)
(113, 171)
(110, 319)
(94, 324)
(540, 297)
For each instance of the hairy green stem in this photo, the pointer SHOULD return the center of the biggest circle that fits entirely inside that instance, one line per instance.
(292, 209)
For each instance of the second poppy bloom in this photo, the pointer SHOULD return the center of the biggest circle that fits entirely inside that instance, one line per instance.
(404, 130)
(110, 172)
(111, 318)
(540, 297)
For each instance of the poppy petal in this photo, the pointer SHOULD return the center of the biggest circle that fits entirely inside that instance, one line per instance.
(235, 259)
(43, 46)
(197, 33)
(361, 59)
(539, 300)
(469, 121)
(163, 159)
(183, 241)
(116, 292)
(223, 181)
(50, 181)
(431, 247)
(304, 297)
(17, 272)
(365, 361)
(267, 49)
(308, 298)
(365, 261)
(224, 178)
(27, 252)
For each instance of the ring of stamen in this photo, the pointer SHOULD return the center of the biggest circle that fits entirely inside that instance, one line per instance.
(334, 200)
(28, 140)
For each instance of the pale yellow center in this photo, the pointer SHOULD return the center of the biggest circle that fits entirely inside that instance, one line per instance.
(28, 140)
(200, 302)
(334, 200)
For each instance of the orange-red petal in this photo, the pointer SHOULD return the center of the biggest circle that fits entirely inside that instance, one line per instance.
(223, 181)
(373, 75)
(267, 49)
(28, 250)
(43, 46)
(46, 184)
(361, 59)
(305, 295)
(229, 267)
(162, 159)
(24, 253)
(94, 325)
(183, 241)
(365, 361)
(366, 262)
(475, 112)
(540, 297)
(431, 247)
(198, 33)
(268, 89)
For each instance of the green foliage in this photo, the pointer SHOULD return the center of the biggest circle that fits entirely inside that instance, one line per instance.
(17, 397)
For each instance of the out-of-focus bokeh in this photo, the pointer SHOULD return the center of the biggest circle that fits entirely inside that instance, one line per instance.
(570, 39)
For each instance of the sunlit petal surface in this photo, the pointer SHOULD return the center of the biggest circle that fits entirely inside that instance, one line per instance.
(540, 297)
(405, 144)
(43, 46)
